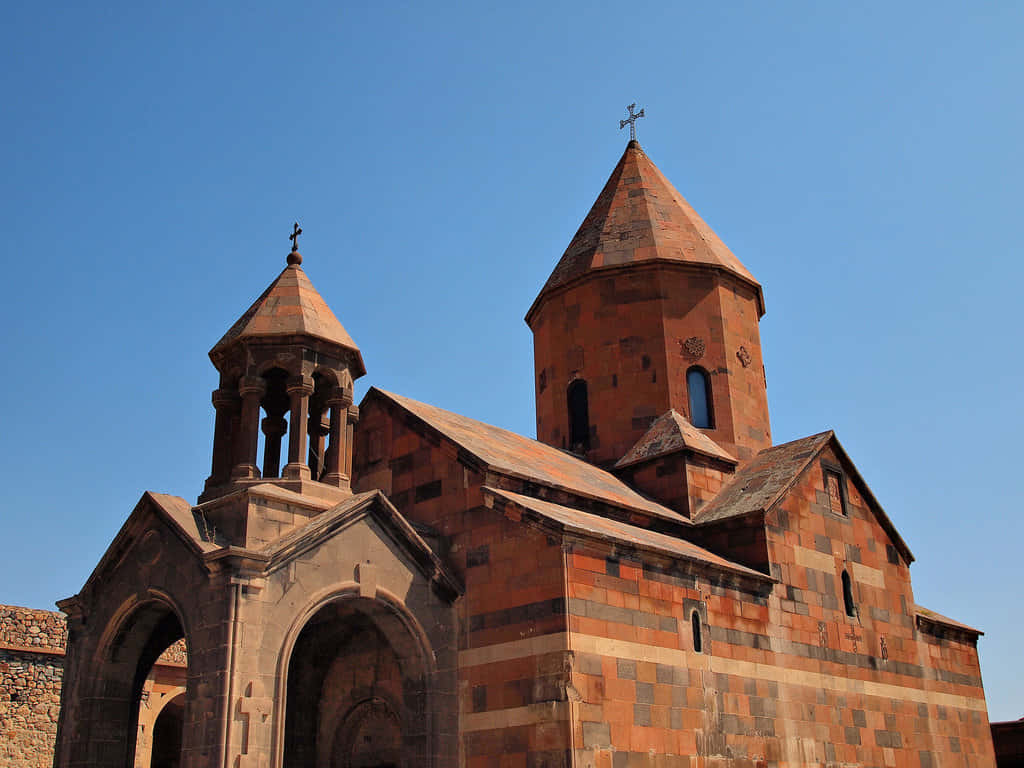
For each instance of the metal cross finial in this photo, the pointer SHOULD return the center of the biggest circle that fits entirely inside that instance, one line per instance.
(294, 237)
(631, 120)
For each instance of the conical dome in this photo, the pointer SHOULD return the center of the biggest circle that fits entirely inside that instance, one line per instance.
(639, 217)
(290, 306)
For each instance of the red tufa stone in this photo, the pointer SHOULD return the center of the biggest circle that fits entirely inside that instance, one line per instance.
(645, 292)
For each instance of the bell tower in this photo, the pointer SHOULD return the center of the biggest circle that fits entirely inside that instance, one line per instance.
(286, 372)
(647, 311)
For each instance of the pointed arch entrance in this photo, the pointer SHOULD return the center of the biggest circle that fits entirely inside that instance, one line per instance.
(358, 688)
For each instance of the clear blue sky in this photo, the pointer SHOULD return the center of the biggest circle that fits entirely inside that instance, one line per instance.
(863, 160)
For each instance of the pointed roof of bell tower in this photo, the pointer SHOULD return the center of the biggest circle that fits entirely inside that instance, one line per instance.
(640, 217)
(290, 306)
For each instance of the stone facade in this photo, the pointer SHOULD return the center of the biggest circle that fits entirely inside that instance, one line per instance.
(650, 584)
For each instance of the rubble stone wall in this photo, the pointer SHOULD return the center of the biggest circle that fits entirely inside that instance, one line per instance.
(31, 673)
(31, 668)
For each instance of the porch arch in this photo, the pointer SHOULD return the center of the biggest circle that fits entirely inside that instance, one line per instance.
(134, 638)
(323, 691)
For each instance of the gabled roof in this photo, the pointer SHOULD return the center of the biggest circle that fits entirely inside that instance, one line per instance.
(371, 503)
(669, 433)
(290, 306)
(517, 456)
(640, 217)
(758, 485)
(764, 481)
(174, 512)
(578, 521)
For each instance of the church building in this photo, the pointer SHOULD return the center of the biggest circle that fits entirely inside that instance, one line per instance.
(650, 583)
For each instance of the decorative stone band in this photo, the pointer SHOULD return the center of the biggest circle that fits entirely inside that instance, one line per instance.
(623, 649)
(543, 712)
(768, 672)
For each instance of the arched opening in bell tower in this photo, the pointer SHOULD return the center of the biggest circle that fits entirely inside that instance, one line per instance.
(319, 426)
(274, 425)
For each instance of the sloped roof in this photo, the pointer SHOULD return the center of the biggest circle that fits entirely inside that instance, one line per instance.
(188, 521)
(290, 306)
(763, 480)
(640, 217)
(938, 618)
(375, 503)
(518, 456)
(586, 523)
(669, 433)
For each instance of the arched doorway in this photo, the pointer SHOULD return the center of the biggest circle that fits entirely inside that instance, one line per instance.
(124, 684)
(358, 690)
(167, 730)
(368, 736)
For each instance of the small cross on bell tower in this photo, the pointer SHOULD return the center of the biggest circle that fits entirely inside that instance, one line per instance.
(631, 121)
(295, 257)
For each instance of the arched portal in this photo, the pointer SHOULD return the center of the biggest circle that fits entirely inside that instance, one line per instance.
(122, 678)
(358, 691)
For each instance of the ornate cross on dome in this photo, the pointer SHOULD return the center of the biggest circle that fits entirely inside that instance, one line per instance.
(294, 236)
(631, 120)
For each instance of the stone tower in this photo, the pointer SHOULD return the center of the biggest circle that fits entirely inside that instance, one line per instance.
(647, 311)
(287, 356)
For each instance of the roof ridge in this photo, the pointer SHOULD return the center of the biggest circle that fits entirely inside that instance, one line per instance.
(527, 458)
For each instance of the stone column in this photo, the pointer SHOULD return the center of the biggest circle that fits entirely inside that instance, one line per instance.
(353, 419)
(274, 428)
(337, 452)
(318, 431)
(226, 404)
(299, 390)
(251, 389)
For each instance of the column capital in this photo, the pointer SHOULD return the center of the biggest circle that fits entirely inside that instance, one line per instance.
(300, 385)
(353, 414)
(252, 385)
(340, 397)
(224, 398)
(274, 425)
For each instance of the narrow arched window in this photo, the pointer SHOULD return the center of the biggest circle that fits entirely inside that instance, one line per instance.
(851, 608)
(698, 384)
(579, 417)
(698, 644)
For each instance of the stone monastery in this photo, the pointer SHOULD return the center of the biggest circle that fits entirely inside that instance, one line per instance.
(649, 583)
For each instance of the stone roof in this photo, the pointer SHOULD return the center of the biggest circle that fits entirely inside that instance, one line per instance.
(290, 306)
(938, 618)
(669, 433)
(758, 485)
(578, 521)
(640, 217)
(296, 543)
(517, 456)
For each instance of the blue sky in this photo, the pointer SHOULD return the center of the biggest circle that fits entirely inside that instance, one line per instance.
(863, 160)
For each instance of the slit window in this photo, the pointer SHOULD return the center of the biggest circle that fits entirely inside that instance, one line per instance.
(579, 417)
(698, 385)
(851, 608)
(698, 644)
